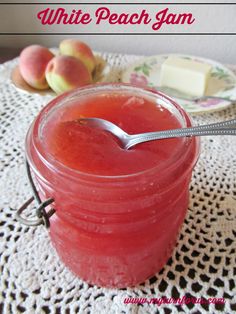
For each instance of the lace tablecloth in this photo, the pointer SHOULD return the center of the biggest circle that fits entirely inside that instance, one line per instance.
(203, 264)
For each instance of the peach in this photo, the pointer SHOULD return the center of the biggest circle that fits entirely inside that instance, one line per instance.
(80, 50)
(32, 64)
(64, 73)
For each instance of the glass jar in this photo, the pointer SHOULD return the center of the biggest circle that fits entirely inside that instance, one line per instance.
(113, 230)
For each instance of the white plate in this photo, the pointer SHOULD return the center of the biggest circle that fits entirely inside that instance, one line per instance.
(101, 74)
(146, 72)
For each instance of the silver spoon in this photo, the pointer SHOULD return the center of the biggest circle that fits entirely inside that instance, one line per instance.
(221, 128)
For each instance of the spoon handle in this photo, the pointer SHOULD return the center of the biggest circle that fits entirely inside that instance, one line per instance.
(221, 128)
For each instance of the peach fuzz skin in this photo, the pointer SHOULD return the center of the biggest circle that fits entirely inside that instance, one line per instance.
(79, 50)
(64, 73)
(32, 64)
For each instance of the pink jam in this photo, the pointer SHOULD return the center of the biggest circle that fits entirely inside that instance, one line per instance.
(118, 212)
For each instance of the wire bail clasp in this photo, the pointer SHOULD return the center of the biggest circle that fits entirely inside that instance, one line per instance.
(41, 213)
(43, 216)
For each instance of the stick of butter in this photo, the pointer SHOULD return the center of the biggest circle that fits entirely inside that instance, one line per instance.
(187, 76)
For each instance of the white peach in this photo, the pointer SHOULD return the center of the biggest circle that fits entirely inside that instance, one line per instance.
(32, 64)
(79, 50)
(64, 73)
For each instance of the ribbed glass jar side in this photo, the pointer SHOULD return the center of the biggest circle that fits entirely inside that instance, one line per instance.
(114, 231)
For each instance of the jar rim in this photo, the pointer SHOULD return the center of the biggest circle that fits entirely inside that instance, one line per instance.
(34, 131)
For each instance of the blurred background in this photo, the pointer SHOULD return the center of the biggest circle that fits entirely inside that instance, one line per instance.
(217, 18)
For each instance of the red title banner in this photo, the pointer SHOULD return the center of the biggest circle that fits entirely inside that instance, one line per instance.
(120, 18)
(104, 14)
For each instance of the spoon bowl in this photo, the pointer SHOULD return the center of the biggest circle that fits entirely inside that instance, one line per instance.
(108, 126)
(127, 141)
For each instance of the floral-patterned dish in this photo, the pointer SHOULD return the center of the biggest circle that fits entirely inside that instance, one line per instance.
(146, 72)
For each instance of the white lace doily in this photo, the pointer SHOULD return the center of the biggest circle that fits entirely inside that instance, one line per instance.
(203, 264)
